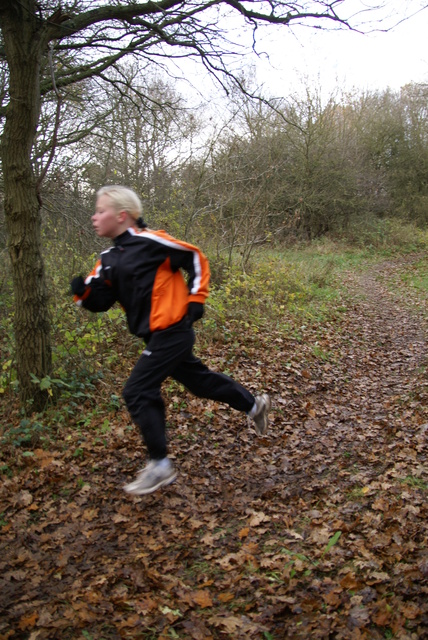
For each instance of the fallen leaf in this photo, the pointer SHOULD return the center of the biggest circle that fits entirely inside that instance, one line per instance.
(202, 599)
(28, 621)
(226, 597)
(230, 624)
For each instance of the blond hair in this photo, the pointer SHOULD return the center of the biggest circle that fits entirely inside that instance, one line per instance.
(123, 199)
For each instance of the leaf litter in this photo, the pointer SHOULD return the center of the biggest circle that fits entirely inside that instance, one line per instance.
(316, 530)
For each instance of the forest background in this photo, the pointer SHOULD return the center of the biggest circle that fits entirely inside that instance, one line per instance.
(268, 175)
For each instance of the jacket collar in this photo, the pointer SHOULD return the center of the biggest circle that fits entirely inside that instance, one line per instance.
(119, 239)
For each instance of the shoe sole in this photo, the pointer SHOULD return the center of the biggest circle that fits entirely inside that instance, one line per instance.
(142, 492)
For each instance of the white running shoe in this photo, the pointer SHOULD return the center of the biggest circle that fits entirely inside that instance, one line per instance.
(261, 415)
(157, 473)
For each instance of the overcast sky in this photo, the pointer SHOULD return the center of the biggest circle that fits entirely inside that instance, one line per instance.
(346, 59)
(391, 51)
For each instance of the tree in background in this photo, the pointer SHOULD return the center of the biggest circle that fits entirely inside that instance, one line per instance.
(139, 140)
(142, 141)
(274, 173)
(408, 159)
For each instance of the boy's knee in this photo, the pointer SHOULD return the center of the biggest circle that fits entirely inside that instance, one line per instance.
(135, 399)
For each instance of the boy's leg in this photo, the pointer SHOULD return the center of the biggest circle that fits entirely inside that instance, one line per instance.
(208, 384)
(142, 394)
(204, 383)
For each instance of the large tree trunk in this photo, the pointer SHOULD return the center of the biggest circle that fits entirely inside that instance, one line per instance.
(22, 207)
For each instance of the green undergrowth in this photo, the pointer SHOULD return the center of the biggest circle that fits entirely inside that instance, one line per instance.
(388, 236)
(416, 277)
(273, 292)
(285, 287)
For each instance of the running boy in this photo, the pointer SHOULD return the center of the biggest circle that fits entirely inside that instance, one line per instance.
(143, 272)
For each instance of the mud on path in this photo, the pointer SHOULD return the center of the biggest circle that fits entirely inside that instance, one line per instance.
(317, 530)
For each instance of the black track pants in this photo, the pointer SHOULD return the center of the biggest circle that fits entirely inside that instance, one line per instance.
(169, 354)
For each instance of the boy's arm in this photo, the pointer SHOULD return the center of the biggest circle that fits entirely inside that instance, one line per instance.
(94, 293)
(195, 263)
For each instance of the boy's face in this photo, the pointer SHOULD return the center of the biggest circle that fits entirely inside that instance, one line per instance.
(105, 220)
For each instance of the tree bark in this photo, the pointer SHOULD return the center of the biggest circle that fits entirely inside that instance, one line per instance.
(21, 204)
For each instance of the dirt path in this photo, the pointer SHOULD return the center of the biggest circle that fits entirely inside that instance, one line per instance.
(374, 381)
(317, 530)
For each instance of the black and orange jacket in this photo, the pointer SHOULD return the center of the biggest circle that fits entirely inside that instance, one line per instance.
(142, 272)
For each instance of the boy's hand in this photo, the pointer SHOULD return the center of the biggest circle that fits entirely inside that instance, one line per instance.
(78, 286)
(195, 311)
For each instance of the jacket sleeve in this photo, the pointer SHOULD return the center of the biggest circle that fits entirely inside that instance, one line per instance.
(195, 264)
(98, 294)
